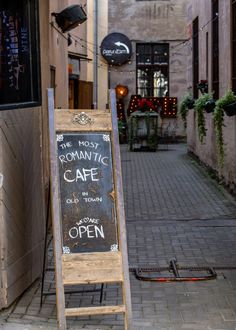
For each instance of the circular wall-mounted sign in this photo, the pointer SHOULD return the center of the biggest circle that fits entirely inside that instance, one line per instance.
(116, 48)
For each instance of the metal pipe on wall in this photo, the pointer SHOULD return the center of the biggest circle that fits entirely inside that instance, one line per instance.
(95, 62)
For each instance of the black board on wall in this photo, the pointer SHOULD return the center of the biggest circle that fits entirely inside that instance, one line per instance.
(87, 192)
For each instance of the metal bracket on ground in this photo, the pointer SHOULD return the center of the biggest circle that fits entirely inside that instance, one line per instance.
(177, 273)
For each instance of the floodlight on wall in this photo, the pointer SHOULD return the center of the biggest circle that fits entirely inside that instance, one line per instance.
(70, 17)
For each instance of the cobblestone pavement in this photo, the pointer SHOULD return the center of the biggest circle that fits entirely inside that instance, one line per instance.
(174, 210)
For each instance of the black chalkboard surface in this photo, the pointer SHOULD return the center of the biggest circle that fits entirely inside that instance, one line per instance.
(87, 192)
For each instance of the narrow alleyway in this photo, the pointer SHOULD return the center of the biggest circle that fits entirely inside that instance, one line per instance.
(173, 210)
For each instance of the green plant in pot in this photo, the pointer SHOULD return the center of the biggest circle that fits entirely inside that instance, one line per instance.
(228, 103)
(199, 107)
(122, 131)
(210, 106)
(186, 103)
(221, 106)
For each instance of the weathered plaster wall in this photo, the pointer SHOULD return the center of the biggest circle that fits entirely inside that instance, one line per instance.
(152, 21)
(79, 44)
(102, 86)
(103, 96)
(58, 55)
(207, 152)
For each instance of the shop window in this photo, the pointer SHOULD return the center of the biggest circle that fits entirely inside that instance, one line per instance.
(195, 58)
(152, 70)
(19, 54)
(234, 45)
(215, 48)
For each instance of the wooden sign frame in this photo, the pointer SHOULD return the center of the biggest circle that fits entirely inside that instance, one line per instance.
(93, 267)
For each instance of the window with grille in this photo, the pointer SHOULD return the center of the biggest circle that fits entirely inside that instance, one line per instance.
(195, 58)
(215, 48)
(19, 54)
(234, 45)
(152, 69)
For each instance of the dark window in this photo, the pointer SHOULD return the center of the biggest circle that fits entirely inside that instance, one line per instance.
(53, 79)
(152, 69)
(207, 57)
(234, 45)
(195, 58)
(19, 54)
(215, 48)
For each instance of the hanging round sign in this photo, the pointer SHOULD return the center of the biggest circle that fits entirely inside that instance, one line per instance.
(116, 48)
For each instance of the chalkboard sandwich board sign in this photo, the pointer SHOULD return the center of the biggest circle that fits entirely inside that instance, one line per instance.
(87, 192)
(87, 206)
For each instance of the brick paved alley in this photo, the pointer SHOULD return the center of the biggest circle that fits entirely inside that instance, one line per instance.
(173, 210)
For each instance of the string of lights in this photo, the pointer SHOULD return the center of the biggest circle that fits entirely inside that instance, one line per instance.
(186, 42)
(105, 65)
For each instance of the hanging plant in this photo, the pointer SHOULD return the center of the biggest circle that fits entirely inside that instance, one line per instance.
(199, 107)
(210, 106)
(186, 103)
(226, 100)
(203, 86)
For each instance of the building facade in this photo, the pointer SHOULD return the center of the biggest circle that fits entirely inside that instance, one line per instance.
(157, 30)
(212, 58)
(35, 54)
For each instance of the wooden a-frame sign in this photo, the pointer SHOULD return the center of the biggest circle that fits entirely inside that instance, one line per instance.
(87, 206)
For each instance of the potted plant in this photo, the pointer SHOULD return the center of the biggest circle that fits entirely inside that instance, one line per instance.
(210, 106)
(203, 86)
(199, 107)
(145, 105)
(224, 104)
(122, 131)
(186, 103)
(228, 103)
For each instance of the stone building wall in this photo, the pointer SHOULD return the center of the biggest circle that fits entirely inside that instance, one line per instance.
(153, 22)
(207, 152)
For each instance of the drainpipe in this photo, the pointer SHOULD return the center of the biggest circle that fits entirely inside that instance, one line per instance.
(95, 50)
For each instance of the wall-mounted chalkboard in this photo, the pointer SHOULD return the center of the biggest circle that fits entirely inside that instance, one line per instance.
(87, 192)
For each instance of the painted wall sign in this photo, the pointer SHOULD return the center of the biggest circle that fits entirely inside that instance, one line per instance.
(116, 48)
(87, 192)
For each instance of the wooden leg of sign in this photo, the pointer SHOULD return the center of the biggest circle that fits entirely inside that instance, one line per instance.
(126, 315)
(121, 214)
(45, 245)
(55, 212)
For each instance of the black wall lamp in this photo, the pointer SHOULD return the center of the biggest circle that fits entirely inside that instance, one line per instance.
(70, 17)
